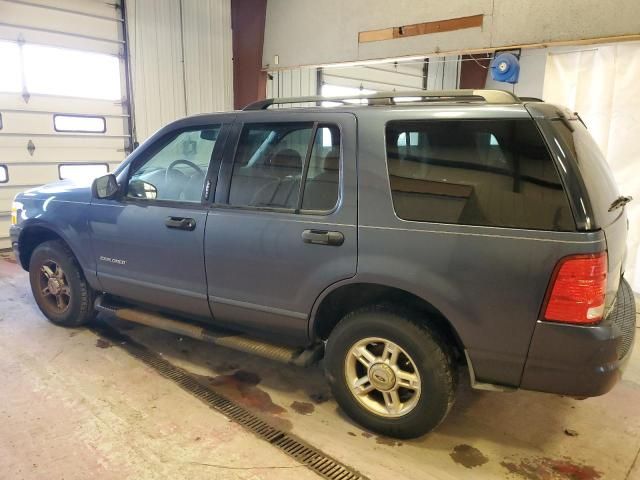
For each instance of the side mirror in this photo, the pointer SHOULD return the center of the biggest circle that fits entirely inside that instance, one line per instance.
(105, 187)
(142, 189)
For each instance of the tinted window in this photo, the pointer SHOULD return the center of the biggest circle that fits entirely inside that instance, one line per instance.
(268, 165)
(177, 172)
(593, 167)
(323, 177)
(475, 172)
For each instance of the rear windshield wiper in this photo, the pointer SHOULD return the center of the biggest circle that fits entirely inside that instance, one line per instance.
(621, 201)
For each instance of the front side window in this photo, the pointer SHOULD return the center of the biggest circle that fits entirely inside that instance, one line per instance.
(269, 166)
(475, 172)
(177, 172)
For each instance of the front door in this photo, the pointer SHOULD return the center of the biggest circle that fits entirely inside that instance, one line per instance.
(283, 227)
(149, 243)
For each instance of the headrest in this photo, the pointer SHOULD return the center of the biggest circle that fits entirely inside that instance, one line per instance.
(288, 158)
(332, 160)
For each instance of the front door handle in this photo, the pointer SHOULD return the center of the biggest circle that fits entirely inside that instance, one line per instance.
(180, 223)
(323, 237)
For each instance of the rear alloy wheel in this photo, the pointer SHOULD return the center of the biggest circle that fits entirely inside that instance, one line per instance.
(382, 377)
(58, 285)
(389, 372)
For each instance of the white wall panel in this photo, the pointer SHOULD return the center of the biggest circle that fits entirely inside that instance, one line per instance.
(311, 32)
(180, 56)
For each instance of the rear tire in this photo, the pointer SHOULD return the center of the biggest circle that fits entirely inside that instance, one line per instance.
(59, 286)
(389, 373)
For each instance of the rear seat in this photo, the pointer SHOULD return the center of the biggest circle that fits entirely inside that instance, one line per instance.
(321, 190)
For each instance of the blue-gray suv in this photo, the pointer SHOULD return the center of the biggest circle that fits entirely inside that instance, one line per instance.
(399, 236)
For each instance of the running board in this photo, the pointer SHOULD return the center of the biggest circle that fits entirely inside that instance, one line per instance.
(292, 356)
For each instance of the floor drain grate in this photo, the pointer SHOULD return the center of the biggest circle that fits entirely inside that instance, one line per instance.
(296, 448)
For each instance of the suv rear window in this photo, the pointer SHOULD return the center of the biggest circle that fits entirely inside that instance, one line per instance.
(475, 172)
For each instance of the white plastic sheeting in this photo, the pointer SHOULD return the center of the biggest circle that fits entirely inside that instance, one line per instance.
(601, 84)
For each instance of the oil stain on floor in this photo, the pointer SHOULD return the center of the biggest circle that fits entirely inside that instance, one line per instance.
(468, 456)
(102, 343)
(303, 408)
(543, 468)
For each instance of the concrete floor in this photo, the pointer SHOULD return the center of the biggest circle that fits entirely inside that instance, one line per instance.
(75, 407)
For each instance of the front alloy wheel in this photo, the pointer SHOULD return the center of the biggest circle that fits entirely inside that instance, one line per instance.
(59, 286)
(54, 286)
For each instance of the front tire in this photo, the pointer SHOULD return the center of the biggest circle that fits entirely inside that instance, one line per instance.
(59, 286)
(389, 373)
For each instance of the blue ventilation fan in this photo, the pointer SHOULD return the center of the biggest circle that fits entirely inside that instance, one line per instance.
(505, 68)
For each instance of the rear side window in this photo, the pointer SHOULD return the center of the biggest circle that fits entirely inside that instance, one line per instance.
(475, 172)
(292, 166)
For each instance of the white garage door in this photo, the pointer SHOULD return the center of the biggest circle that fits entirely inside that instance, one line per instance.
(63, 108)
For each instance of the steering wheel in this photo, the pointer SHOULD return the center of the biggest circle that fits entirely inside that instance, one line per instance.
(183, 162)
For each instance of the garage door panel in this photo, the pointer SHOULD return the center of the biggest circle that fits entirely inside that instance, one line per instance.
(59, 40)
(74, 116)
(20, 122)
(46, 173)
(60, 142)
(49, 23)
(57, 104)
(5, 223)
(95, 8)
(60, 21)
(20, 155)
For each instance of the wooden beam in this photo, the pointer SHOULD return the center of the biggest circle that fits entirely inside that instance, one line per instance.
(424, 28)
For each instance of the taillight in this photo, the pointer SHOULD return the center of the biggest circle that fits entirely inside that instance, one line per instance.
(577, 289)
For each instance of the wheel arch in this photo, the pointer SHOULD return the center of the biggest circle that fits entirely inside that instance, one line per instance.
(33, 235)
(335, 303)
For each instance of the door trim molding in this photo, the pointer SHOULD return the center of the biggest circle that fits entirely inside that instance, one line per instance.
(154, 286)
(260, 308)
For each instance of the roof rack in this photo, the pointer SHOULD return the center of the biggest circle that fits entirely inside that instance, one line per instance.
(393, 98)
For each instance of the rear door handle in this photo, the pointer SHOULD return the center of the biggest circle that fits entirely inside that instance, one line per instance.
(180, 223)
(323, 237)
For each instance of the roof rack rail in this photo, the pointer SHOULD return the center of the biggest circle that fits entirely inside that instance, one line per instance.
(531, 99)
(393, 98)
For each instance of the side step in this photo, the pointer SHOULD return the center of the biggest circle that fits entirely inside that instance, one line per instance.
(292, 356)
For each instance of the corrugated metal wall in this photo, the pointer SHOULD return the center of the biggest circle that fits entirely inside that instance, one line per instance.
(298, 82)
(443, 73)
(181, 60)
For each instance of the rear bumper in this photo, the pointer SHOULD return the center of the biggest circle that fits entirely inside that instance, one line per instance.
(583, 361)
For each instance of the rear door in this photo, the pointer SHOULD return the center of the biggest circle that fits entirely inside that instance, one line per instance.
(283, 225)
